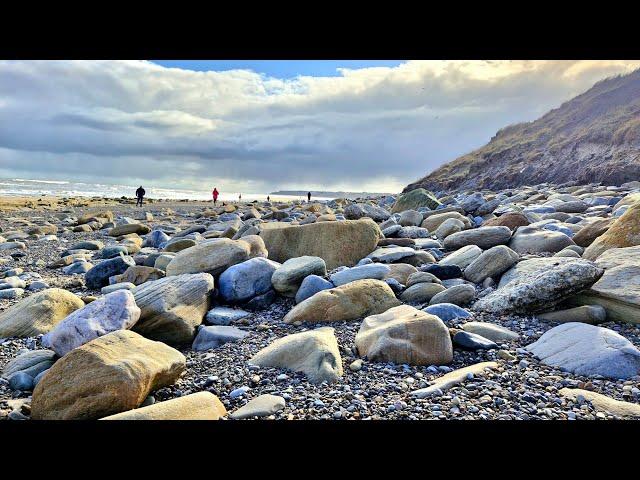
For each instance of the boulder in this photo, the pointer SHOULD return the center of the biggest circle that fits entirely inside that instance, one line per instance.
(243, 281)
(391, 254)
(209, 338)
(432, 222)
(415, 199)
(491, 263)
(584, 349)
(173, 307)
(261, 406)
(410, 218)
(624, 232)
(591, 314)
(542, 289)
(421, 292)
(115, 311)
(224, 315)
(587, 234)
(448, 227)
(491, 331)
(212, 256)
(472, 341)
(602, 403)
(38, 313)
(349, 302)
(196, 406)
(310, 286)
(483, 237)
(462, 257)
(457, 294)
(31, 363)
(401, 272)
(376, 271)
(288, 277)
(404, 334)
(512, 220)
(98, 276)
(447, 311)
(538, 240)
(314, 353)
(356, 211)
(129, 228)
(337, 243)
(108, 375)
(451, 379)
(138, 275)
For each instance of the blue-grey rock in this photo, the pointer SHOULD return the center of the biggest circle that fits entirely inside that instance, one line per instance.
(98, 276)
(112, 251)
(375, 270)
(447, 311)
(224, 315)
(261, 302)
(11, 293)
(395, 285)
(413, 232)
(38, 377)
(443, 272)
(287, 279)
(155, 239)
(77, 267)
(21, 381)
(391, 231)
(243, 281)
(311, 285)
(37, 285)
(209, 338)
(471, 341)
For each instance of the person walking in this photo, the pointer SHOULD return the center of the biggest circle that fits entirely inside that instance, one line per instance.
(215, 195)
(268, 198)
(240, 198)
(308, 197)
(139, 195)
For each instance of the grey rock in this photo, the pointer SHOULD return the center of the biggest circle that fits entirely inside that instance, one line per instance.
(209, 338)
(243, 281)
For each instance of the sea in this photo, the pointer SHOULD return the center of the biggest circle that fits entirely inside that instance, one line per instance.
(26, 187)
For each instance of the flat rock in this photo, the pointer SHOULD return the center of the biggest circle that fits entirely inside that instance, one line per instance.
(372, 270)
(261, 406)
(224, 315)
(451, 379)
(209, 338)
(491, 331)
(538, 240)
(483, 237)
(602, 403)
(196, 406)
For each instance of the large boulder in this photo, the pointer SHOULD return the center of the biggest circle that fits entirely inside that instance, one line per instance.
(38, 313)
(584, 349)
(98, 276)
(624, 232)
(243, 281)
(211, 256)
(391, 254)
(491, 263)
(356, 211)
(404, 334)
(108, 375)
(483, 237)
(115, 311)
(288, 277)
(196, 406)
(337, 243)
(173, 307)
(314, 353)
(349, 302)
(588, 234)
(538, 240)
(542, 289)
(415, 199)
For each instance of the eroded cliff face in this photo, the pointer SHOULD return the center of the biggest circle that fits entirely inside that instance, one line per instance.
(595, 137)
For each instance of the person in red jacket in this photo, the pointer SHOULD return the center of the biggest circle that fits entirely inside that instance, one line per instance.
(215, 195)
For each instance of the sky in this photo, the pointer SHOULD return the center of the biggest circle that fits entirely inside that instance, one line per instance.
(260, 126)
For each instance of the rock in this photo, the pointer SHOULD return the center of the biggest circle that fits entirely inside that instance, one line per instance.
(243, 281)
(112, 251)
(286, 280)
(451, 379)
(398, 242)
(421, 292)
(618, 291)
(413, 232)
(314, 353)
(483, 237)
(591, 314)
(373, 270)
(32, 363)
(443, 272)
(448, 227)
(472, 202)
(421, 277)
(21, 381)
(602, 403)
(491, 331)
(356, 365)
(434, 221)
(179, 244)
(541, 290)
(447, 311)
(410, 218)
(108, 375)
(538, 240)
(400, 272)
(415, 199)
(391, 254)
(115, 311)
(261, 406)
(224, 315)
(77, 268)
(11, 293)
(212, 256)
(587, 234)
(472, 341)
(567, 252)
(574, 206)
(117, 286)
(356, 211)
(98, 276)
(462, 257)
(349, 302)
(404, 334)
(624, 232)
(196, 406)
(155, 239)
(209, 338)
(129, 228)
(138, 275)
(512, 220)
(458, 295)
(491, 263)
(173, 307)
(260, 302)
(38, 313)
(337, 243)
(587, 350)
(311, 285)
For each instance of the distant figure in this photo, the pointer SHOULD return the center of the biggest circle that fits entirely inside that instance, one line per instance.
(268, 198)
(140, 195)
(240, 197)
(215, 195)
(308, 197)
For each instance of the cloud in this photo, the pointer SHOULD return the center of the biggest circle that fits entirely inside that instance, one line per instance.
(367, 129)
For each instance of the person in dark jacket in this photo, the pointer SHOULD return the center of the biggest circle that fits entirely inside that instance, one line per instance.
(140, 195)
(308, 197)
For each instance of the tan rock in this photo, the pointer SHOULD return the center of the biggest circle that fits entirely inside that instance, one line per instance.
(624, 232)
(129, 228)
(38, 313)
(603, 403)
(139, 274)
(587, 234)
(401, 272)
(212, 256)
(451, 379)
(351, 301)
(108, 375)
(432, 222)
(196, 406)
(338, 243)
(405, 334)
(512, 220)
